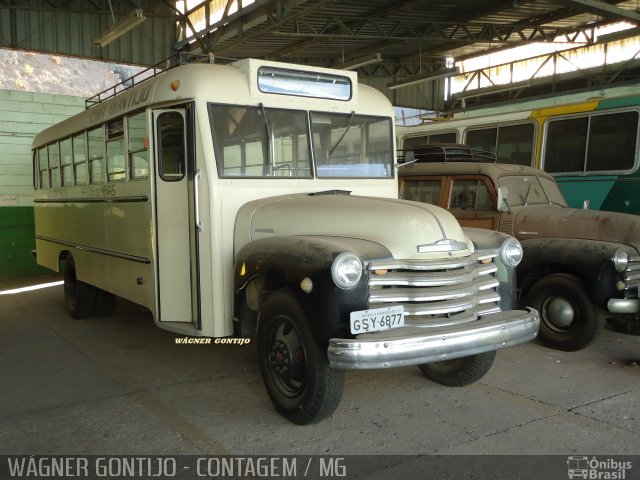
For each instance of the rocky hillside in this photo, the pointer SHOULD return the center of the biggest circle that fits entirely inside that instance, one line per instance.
(35, 72)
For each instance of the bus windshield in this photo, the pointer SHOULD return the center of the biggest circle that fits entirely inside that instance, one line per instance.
(531, 190)
(350, 145)
(268, 142)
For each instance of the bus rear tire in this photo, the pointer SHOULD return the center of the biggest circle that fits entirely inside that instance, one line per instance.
(79, 297)
(295, 370)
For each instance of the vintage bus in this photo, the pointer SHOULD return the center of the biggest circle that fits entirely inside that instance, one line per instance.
(261, 198)
(588, 141)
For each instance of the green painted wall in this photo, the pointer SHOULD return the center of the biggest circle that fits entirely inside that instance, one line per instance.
(22, 116)
(17, 242)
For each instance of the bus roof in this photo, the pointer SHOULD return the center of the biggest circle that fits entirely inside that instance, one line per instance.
(231, 84)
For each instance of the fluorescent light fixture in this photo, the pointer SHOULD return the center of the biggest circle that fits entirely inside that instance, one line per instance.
(359, 62)
(135, 17)
(444, 73)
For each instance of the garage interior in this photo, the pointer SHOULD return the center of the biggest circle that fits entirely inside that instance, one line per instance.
(122, 386)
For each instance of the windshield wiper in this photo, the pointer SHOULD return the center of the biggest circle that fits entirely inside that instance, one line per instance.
(271, 144)
(526, 197)
(332, 149)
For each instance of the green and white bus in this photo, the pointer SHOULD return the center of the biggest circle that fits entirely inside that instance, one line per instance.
(588, 141)
(261, 197)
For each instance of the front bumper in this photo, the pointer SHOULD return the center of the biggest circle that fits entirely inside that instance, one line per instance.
(417, 345)
(624, 305)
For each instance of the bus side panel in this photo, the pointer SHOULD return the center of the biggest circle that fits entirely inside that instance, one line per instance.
(110, 238)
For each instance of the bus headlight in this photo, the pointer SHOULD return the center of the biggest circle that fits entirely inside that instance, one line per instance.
(511, 252)
(346, 270)
(620, 260)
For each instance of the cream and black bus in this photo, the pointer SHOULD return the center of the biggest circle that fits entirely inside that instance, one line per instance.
(261, 197)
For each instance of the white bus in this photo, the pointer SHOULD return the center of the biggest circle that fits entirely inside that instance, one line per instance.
(222, 197)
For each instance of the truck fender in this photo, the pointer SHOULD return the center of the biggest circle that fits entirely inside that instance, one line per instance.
(269, 264)
(589, 260)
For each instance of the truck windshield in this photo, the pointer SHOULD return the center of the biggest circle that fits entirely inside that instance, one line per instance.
(531, 190)
(350, 145)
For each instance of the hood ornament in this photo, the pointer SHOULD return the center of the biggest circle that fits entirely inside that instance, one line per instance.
(445, 245)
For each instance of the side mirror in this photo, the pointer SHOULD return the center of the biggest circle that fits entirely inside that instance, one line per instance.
(409, 159)
(503, 194)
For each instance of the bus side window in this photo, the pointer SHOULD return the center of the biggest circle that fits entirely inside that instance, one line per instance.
(54, 164)
(116, 169)
(171, 141)
(483, 139)
(80, 159)
(96, 154)
(566, 145)
(450, 137)
(138, 145)
(612, 142)
(66, 162)
(43, 165)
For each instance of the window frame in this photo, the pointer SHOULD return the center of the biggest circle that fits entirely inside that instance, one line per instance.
(497, 127)
(589, 115)
(306, 131)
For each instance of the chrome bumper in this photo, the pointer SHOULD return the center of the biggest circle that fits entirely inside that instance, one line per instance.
(417, 345)
(624, 305)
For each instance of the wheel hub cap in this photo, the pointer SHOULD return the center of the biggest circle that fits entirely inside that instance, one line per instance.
(559, 312)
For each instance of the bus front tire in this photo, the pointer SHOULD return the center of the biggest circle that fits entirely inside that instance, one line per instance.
(568, 318)
(79, 297)
(459, 371)
(294, 368)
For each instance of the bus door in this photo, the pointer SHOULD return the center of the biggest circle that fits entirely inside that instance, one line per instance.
(176, 230)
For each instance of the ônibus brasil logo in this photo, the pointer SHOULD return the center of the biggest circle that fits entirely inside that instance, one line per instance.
(592, 468)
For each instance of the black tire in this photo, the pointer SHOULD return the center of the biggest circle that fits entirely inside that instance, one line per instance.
(105, 303)
(79, 297)
(459, 371)
(294, 368)
(568, 318)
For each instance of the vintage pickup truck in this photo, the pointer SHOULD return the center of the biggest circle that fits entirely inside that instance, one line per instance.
(577, 264)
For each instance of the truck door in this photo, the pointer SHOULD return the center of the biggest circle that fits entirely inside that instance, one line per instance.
(176, 229)
(472, 200)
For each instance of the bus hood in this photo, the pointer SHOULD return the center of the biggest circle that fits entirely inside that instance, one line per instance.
(551, 221)
(400, 226)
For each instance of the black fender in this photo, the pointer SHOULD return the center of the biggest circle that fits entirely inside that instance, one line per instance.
(484, 239)
(589, 260)
(283, 262)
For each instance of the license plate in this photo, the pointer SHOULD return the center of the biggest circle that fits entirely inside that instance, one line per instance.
(377, 319)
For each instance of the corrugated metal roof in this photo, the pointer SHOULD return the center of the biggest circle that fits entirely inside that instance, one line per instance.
(413, 37)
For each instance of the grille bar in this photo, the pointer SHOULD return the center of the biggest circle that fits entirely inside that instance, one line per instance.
(437, 293)
(416, 279)
(431, 294)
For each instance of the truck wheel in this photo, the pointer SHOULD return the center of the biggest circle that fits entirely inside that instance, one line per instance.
(459, 371)
(79, 297)
(568, 318)
(294, 368)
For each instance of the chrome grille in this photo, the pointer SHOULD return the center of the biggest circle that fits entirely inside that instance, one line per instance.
(436, 293)
(632, 277)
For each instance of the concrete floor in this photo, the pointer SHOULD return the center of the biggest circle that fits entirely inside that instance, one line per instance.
(120, 385)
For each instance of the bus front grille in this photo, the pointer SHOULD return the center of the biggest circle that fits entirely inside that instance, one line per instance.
(436, 293)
